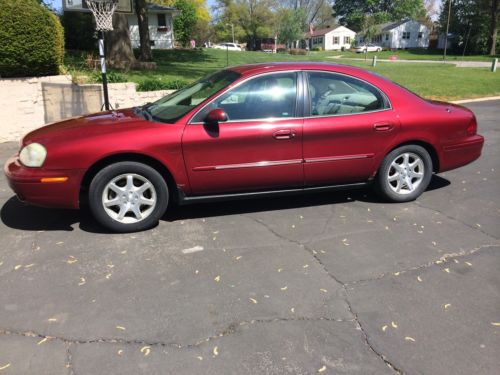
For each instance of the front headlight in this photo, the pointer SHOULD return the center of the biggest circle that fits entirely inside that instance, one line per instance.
(33, 155)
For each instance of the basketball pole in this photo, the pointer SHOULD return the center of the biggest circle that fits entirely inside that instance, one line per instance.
(102, 56)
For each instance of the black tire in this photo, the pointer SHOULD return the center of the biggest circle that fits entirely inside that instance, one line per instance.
(115, 174)
(405, 177)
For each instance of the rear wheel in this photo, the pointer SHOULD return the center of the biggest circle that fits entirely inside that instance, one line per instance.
(128, 197)
(404, 174)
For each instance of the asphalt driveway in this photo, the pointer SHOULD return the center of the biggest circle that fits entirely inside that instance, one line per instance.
(331, 284)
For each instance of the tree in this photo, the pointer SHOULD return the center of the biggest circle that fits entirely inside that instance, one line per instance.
(256, 18)
(118, 46)
(185, 22)
(142, 20)
(291, 25)
(473, 25)
(492, 37)
(352, 13)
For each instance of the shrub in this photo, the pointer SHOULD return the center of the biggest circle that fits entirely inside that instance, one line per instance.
(31, 39)
(157, 84)
(111, 76)
(298, 51)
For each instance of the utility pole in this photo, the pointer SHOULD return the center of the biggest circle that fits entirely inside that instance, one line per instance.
(447, 28)
(232, 29)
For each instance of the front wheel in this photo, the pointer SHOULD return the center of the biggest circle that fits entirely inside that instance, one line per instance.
(128, 197)
(404, 174)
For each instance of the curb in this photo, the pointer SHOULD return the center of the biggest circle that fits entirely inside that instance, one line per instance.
(485, 99)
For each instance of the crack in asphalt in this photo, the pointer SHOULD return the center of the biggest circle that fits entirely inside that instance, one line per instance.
(69, 359)
(456, 220)
(229, 330)
(356, 319)
(446, 258)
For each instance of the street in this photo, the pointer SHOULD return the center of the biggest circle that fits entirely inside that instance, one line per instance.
(337, 283)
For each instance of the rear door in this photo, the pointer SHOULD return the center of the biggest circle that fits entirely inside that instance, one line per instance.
(259, 147)
(349, 122)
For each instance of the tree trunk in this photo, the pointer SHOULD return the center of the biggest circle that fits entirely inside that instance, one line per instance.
(492, 38)
(142, 19)
(118, 46)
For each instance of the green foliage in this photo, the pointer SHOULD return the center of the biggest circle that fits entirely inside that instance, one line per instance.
(111, 76)
(298, 52)
(79, 31)
(252, 19)
(352, 13)
(185, 22)
(470, 23)
(291, 25)
(31, 39)
(158, 84)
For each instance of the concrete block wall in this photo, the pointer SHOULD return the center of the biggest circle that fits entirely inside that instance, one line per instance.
(28, 103)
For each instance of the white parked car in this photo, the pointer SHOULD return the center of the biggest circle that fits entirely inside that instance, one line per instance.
(368, 48)
(229, 46)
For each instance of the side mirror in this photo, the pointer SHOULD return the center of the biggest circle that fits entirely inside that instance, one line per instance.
(216, 115)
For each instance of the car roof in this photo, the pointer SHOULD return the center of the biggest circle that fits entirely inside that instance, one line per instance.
(251, 69)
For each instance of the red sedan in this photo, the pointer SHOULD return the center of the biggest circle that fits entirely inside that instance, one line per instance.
(258, 129)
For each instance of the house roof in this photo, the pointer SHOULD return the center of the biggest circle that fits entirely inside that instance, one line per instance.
(159, 8)
(320, 32)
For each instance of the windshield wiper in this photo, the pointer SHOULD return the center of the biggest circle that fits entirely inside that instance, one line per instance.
(144, 112)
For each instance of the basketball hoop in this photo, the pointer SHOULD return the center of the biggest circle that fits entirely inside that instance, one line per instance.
(103, 13)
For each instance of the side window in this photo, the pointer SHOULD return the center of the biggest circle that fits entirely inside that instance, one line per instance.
(336, 94)
(266, 96)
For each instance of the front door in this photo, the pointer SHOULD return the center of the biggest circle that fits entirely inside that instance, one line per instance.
(259, 146)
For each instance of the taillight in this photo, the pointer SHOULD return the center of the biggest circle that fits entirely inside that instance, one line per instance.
(472, 127)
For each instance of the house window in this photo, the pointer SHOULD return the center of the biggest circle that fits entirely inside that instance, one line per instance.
(347, 40)
(406, 35)
(420, 34)
(335, 40)
(162, 20)
(320, 40)
(386, 37)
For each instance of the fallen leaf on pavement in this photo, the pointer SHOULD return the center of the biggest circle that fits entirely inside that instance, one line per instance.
(253, 300)
(146, 350)
(408, 338)
(216, 350)
(120, 328)
(322, 369)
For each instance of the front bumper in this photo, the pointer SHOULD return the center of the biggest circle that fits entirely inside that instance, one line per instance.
(461, 153)
(28, 186)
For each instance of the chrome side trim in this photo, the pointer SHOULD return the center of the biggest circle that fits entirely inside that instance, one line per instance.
(258, 164)
(337, 158)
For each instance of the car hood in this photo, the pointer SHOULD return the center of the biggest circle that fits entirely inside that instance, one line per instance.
(87, 126)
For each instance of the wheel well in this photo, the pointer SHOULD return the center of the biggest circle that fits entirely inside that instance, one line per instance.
(153, 163)
(429, 148)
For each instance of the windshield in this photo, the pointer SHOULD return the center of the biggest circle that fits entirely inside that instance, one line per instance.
(172, 107)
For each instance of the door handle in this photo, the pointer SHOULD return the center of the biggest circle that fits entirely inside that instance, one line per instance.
(383, 126)
(284, 134)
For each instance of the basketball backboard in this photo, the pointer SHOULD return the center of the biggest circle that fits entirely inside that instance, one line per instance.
(124, 6)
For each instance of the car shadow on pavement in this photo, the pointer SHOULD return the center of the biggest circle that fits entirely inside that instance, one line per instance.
(18, 215)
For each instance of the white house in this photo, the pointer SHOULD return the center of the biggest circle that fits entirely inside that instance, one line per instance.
(161, 27)
(403, 34)
(334, 38)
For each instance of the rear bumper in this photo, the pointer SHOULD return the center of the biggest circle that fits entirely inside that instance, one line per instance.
(461, 153)
(28, 186)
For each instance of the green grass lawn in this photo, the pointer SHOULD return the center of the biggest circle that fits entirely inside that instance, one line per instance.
(415, 54)
(436, 81)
